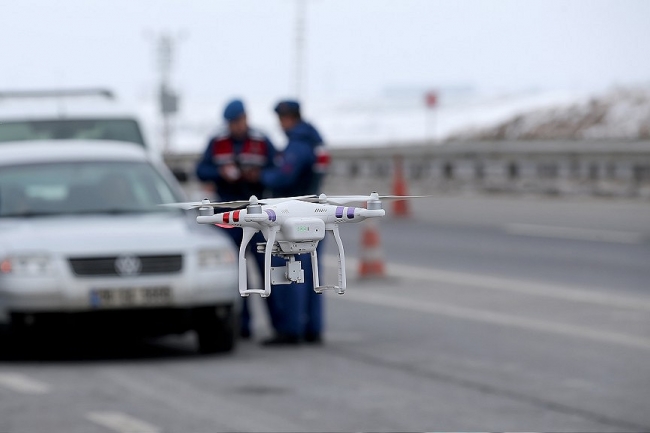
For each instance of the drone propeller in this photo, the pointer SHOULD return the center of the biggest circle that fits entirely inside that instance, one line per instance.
(235, 204)
(206, 203)
(346, 199)
(272, 201)
(337, 199)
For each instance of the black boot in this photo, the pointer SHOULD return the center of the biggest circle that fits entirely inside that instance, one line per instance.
(282, 340)
(312, 338)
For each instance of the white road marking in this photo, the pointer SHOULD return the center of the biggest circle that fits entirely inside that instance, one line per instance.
(575, 233)
(23, 384)
(121, 422)
(483, 316)
(546, 290)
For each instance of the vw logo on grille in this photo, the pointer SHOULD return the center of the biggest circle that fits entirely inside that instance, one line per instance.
(128, 266)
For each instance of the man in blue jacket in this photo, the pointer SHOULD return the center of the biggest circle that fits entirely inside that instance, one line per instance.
(300, 170)
(233, 161)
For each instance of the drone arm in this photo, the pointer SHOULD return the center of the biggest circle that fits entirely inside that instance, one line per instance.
(356, 214)
(371, 213)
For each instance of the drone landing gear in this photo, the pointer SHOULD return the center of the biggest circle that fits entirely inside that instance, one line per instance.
(292, 271)
(243, 277)
(340, 288)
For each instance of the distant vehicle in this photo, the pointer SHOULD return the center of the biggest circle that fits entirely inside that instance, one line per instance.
(85, 246)
(73, 114)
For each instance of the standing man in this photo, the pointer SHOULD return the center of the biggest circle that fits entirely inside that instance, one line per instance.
(300, 171)
(234, 160)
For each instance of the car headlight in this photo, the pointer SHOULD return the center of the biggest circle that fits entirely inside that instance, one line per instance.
(209, 258)
(30, 265)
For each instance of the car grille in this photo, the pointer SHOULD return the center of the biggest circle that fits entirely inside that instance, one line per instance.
(96, 266)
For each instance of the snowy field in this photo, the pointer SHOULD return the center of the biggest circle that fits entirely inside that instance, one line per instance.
(364, 121)
(618, 114)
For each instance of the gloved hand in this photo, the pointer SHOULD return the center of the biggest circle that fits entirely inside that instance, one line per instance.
(251, 174)
(230, 172)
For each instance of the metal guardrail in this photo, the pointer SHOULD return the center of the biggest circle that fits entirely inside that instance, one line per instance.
(619, 168)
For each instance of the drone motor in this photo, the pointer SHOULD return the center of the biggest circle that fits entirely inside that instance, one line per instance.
(206, 210)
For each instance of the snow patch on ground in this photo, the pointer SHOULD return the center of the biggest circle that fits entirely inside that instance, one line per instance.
(387, 120)
(620, 113)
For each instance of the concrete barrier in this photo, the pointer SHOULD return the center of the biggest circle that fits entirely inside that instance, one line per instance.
(549, 167)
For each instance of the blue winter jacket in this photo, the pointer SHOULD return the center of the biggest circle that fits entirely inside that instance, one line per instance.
(235, 151)
(294, 174)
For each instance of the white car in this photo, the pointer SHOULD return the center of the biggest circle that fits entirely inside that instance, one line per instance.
(84, 245)
(73, 114)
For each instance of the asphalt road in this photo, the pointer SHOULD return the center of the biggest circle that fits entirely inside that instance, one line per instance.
(497, 315)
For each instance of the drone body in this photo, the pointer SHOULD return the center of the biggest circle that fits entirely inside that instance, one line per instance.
(291, 226)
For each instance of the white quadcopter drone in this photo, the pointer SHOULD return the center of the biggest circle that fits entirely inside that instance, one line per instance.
(291, 226)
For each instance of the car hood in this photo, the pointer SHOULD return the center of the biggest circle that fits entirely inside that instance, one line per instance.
(107, 234)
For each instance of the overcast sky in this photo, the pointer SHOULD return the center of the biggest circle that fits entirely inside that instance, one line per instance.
(245, 47)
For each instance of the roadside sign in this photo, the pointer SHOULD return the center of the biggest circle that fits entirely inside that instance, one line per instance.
(431, 98)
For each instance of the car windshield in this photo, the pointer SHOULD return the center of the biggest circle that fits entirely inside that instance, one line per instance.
(99, 187)
(72, 129)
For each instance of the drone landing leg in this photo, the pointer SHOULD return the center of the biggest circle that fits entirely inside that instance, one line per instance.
(267, 260)
(249, 232)
(314, 270)
(339, 244)
(340, 289)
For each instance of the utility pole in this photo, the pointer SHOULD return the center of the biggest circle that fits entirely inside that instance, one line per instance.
(299, 47)
(167, 97)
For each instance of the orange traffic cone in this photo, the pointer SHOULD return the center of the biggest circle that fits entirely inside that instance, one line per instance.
(372, 256)
(400, 207)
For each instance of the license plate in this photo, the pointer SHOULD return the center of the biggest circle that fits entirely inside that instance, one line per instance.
(131, 297)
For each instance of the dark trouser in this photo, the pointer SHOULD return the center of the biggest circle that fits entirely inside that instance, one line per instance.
(237, 234)
(297, 308)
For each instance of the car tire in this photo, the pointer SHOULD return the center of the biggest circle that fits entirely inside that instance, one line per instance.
(216, 329)
(31, 343)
